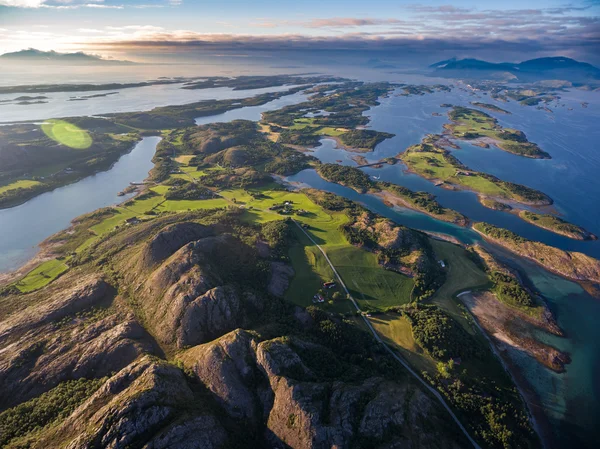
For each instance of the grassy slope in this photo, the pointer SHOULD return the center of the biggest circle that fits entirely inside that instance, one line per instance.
(20, 184)
(462, 275)
(555, 224)
(42, 275)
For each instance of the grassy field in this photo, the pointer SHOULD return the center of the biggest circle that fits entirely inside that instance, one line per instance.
(41, 275)
(370, 284)
(20, 184)
(67, 134)
(555, 224)
(433, 165)
(462, 274)
(397, 332)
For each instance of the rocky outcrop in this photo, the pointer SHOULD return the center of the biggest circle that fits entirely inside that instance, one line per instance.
(144, 405)
(86, 292)
(268, 385)
(186, 301)
(170, 239)
(46, 344)
(46, 356)
(281, 275)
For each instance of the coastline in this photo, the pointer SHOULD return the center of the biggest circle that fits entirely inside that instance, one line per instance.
(389, 198)
(534, 406)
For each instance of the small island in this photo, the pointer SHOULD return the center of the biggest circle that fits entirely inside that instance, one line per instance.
(557, 225)
(432, 161)
(491, 107)
(479, 127)
(390, 193)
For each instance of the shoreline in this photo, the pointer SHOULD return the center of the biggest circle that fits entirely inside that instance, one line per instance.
(451, 186)
(389, 197)
(591, 286)
(528, 396)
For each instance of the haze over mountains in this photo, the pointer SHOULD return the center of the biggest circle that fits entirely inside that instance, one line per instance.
(34, 56)
(555, 68)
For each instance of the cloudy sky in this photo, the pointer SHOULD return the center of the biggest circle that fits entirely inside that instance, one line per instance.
(143, 29)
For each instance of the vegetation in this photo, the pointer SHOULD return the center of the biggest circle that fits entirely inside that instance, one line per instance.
(364, 138)
(430, 160)
(346, 176)
(42, 275)
(572, 265)
(20, 424)
(469, 124)
(556, 225)
(424, 202)
(440, 335)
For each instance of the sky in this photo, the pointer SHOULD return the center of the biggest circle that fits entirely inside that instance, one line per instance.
(163, 30)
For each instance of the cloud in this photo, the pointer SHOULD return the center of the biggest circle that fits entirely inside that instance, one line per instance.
(22, 3)
(343, 22)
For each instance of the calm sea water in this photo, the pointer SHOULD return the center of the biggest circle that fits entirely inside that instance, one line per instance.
(572, 399)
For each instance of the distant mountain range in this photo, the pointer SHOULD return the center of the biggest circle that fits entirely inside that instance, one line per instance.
(555, 68)
(32, 55)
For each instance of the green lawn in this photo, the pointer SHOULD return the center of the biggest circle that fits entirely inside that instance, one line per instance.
(397, 332)
(434, 165)
(369, 283)
(311, 271)
(462, 275)
(67, 134)
(20, 184)
(41, 275)
(183, 205)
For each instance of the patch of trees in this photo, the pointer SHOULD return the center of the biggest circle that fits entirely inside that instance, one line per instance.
(509, 290)
(188, 191)
(346, 176)
(304, 137)
(49, 408)
(439, 334)
(364, 138)
(499, 233)
(278, 234)
(496, 420)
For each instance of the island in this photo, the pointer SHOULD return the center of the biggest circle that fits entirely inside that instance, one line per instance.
(557, 225)
(491, 107)
(432, 161)
(390, 193)
(478, 127)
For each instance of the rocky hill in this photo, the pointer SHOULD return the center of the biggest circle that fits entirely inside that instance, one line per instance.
(167, 334)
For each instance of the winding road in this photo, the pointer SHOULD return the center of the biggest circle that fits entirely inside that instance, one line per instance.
(388, 349)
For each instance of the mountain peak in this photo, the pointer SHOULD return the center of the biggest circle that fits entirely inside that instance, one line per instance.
(34, 55)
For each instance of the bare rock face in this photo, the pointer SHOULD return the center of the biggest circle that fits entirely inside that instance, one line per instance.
(269, 386)
(46, 357)
(281, 273)
(141, 406)
(170, 239)
(85, 293)
(188, 303)
(37, 352)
